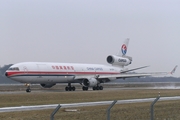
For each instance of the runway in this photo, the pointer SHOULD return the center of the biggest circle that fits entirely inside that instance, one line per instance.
(22, 91)
(53, 106)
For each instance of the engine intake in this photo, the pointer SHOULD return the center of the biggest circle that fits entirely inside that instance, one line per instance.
(110, 59)
(90, 82)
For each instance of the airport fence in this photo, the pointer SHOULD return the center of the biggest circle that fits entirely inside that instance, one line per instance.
(109, 108)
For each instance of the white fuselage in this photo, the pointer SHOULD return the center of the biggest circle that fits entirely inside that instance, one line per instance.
(44, 72)
(89, 75)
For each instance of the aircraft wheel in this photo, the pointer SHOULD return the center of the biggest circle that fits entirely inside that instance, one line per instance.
(28, 90)
(85, 88)
(101, 87)
(73, 88)
(70, 88)
(94, 88)
(67, 88)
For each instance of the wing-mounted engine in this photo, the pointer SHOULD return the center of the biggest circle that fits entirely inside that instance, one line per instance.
(90, 82)
(119, 61)
(47, 85)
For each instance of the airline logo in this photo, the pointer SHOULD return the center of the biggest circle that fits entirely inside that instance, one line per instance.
(124, 49)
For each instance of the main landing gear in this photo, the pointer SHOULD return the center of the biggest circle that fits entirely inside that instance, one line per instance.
(28, 88)
(70, 88)
(98, 88)
(84, 88)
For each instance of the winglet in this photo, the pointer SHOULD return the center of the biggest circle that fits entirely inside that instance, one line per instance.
(173, 71)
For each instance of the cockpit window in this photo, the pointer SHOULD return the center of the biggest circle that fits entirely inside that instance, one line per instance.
(14, 68)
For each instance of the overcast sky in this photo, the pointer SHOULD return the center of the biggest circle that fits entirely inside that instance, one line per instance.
(87, 31)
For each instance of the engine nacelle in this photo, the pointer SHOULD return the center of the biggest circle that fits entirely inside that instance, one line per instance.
(47, 85)
(90, 82)
(120, 61)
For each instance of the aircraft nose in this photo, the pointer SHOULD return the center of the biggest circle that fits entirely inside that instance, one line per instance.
(6, 74)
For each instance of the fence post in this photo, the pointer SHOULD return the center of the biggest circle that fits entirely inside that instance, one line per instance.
(54, 112)
(152, 107)
(108, 110)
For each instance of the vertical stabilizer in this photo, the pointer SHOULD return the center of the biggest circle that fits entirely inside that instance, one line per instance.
(124, 48)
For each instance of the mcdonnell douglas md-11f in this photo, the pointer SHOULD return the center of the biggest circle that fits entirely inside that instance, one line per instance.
(88, 75)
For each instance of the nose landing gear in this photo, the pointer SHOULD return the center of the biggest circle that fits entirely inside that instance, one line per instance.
(28, 88)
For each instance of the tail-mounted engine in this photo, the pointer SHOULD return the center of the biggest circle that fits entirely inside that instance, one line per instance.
(119, 61)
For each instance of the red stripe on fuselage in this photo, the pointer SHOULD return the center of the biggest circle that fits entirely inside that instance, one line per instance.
(14, 73)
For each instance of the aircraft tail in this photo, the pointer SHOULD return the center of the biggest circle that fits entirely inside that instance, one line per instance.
(120, 59)
(124, 48)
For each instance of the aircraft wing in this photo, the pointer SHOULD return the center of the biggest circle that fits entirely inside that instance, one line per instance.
(111, 77)
(107, 78)
(125, 75)
(130, 75)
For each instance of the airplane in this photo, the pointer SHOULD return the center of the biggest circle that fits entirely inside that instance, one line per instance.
(48, 74)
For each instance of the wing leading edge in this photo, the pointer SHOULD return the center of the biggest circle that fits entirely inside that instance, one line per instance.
(125, 74)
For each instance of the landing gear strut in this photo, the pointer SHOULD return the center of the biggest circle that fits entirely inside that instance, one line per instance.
(70, 88)
(28, 88)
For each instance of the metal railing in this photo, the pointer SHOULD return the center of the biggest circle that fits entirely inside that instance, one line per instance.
(108, 110)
